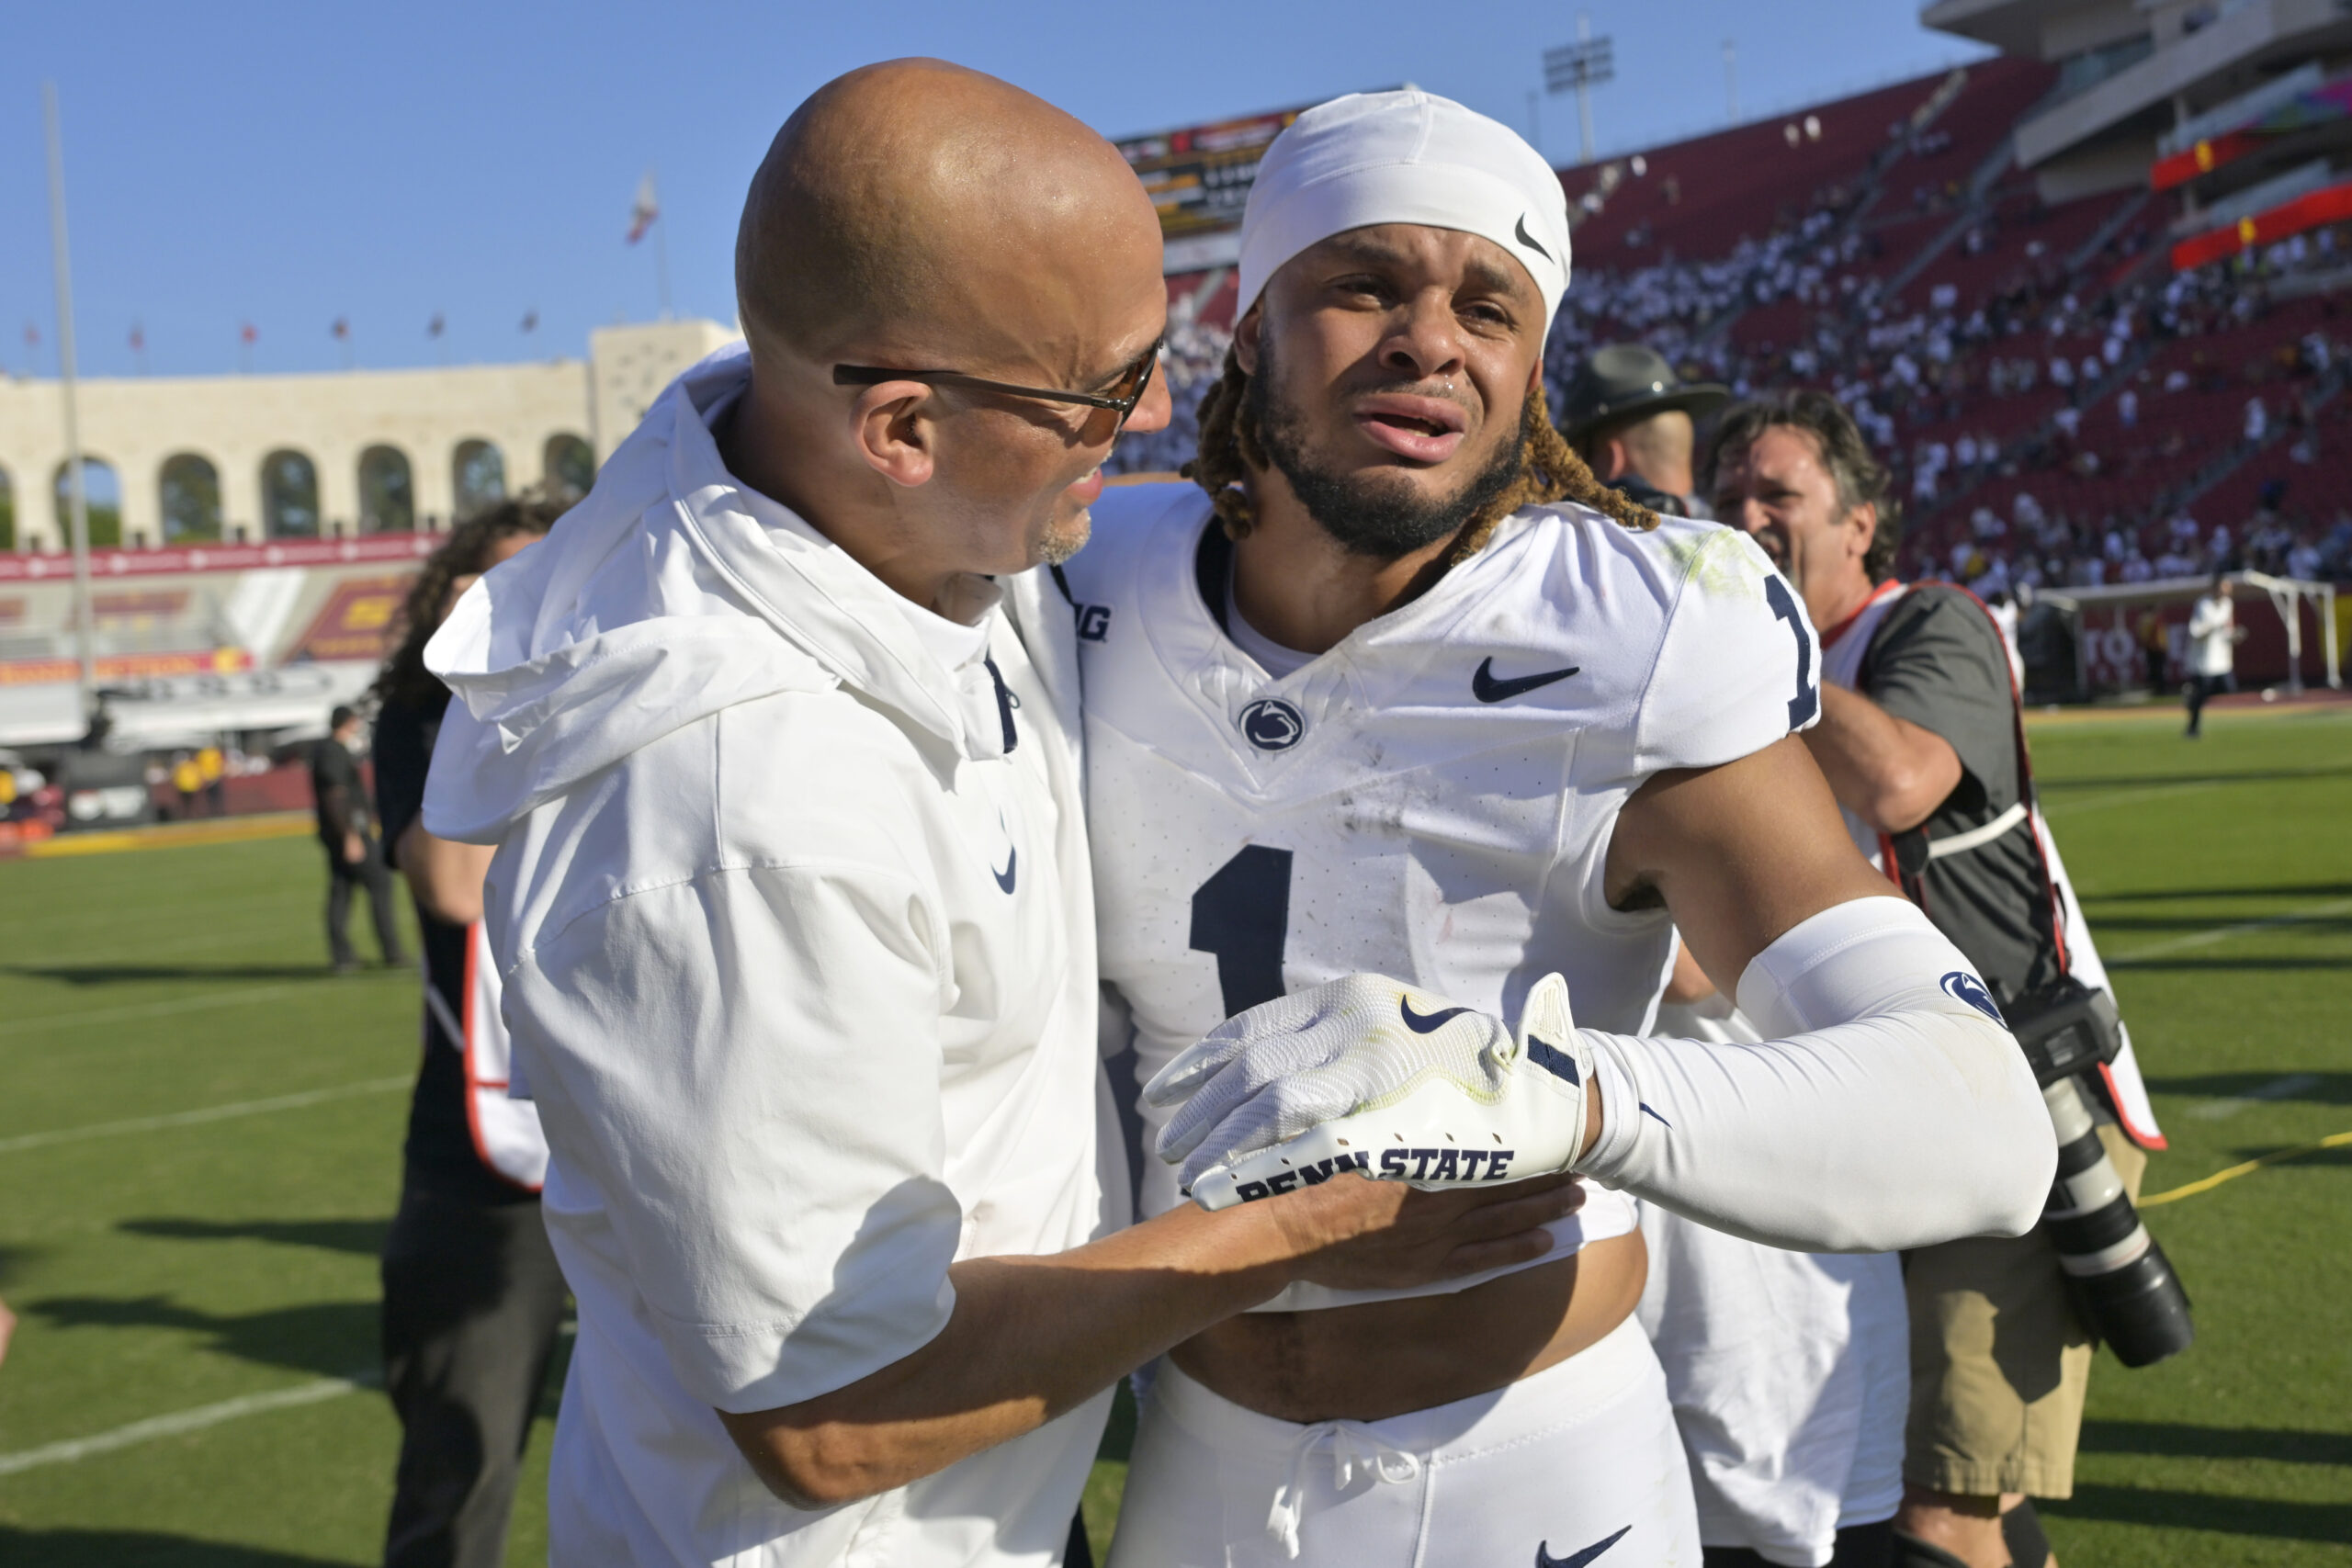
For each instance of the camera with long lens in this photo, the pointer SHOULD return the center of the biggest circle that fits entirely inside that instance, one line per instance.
(2122, 1280)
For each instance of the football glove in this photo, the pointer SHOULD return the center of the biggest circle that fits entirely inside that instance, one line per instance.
(1369, 1074)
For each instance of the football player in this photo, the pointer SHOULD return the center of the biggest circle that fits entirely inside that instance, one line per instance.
(1399, 688)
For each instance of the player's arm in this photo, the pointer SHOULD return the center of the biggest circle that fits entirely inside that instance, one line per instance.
(1887, 1107)
(1032, 1337)
(1893, 772)
(445, 875)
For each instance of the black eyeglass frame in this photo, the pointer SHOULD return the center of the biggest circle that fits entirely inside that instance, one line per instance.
(1125, 407)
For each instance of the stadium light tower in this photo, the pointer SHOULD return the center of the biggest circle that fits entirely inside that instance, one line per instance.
(1578, 68)
(77, 481)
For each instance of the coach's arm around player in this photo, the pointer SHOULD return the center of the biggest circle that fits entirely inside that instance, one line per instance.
(1033, 1337)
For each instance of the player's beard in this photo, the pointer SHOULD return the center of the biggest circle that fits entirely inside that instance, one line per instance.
(1378, 514)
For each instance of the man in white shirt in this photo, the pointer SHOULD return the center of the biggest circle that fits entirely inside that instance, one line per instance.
(777, 736)
(2212, 650)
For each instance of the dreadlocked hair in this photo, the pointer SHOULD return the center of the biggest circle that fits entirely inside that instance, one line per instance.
(465, 553)
(1550, 470)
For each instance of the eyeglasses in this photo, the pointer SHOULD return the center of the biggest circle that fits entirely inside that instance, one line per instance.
(1122, 399)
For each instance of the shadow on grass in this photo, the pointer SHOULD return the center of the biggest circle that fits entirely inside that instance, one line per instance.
(2288, 920)
(111, 974)
(2161, 780)
(2274, 890)
(2324, 1089)
(137, 1549)
(327, 1338)
(363, 1238)
(2180, 964)
(2163, 1510)
(2171, 1440)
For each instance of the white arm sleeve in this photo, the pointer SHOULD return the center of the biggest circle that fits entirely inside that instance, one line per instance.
(1887, 1108)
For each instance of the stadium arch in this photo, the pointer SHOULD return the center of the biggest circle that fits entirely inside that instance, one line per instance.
(387, 491)
(187, 489)
(477, 477)
(569, 466)
(101, 493)
(290, 495)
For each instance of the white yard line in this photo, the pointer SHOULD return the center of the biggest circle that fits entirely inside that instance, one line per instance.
(149, 1010)
(172, 1426)
(2223, 933)
(2276, 1088)
(197, 1117)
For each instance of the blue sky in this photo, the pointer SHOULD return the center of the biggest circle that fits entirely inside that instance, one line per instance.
(285, 165)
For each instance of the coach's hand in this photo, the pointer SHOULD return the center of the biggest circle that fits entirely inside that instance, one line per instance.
(1353, 1234)
(1369, 1074)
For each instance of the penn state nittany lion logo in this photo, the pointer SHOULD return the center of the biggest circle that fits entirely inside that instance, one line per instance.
(1961, 985)
(1272, 724)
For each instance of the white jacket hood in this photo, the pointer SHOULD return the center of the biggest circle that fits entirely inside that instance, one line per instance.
(671, 592)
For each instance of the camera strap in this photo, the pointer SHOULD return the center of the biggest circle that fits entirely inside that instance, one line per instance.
(1906, 856)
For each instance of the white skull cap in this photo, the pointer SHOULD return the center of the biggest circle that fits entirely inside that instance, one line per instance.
(1403, 157)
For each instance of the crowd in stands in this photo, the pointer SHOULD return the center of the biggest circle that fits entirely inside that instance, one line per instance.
(2060, 407)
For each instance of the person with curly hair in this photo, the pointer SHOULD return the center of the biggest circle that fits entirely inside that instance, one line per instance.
(473, 1296)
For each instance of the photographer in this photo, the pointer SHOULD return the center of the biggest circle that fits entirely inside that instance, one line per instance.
(1921, 740)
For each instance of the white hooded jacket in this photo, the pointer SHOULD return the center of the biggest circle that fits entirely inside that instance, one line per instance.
(796, 932)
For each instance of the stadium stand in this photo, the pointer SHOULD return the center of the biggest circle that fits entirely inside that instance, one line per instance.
(2060, 408)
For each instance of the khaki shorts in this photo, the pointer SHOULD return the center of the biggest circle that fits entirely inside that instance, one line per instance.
(1999, 1361)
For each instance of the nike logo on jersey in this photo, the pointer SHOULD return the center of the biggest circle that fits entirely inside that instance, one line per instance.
(1424, 1022)
(1544, 1558)
(1489, 687)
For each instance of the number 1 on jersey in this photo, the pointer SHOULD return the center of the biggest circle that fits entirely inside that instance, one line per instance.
(1807, 702)
(1243, 916)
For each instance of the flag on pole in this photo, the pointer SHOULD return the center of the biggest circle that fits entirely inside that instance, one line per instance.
(342, 328)
(644, 211)
(433, 328)
(32, 335)
(248, 334)
(137, 337)
(530, 321)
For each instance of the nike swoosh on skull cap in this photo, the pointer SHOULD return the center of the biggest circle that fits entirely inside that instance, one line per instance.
(1524, 238)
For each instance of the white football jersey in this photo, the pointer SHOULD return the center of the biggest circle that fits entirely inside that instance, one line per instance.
(1432, 799)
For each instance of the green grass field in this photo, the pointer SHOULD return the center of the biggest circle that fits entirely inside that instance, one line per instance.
(225, 1266)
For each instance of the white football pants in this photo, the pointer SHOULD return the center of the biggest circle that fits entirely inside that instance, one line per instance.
(1579, 1464)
